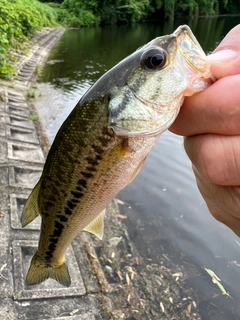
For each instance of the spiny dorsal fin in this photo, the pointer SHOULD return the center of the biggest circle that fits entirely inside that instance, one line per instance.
(39, 272)
(97, 225)
(31, 209)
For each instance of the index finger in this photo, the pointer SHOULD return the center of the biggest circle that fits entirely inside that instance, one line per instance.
(215, 110)
(225, 60)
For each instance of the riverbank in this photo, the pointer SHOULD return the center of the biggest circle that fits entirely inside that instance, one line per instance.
(110, 278)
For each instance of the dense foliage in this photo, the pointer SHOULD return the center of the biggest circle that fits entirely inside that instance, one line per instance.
(78, 13)
(21, 18)
(18, 20)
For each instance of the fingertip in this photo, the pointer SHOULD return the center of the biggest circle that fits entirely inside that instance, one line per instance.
(223, 55)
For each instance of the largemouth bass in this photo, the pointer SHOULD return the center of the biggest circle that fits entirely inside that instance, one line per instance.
(105, 140)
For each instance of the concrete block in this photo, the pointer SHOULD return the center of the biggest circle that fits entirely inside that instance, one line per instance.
(19, 121)
(22, 253)
(24, 176)
(3, 150)
(25, 135)
(25, 152)
(18, 110)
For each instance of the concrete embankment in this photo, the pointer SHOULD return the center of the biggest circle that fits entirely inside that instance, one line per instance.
(23, 149)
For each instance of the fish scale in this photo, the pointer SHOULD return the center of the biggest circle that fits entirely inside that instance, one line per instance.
(104, 142)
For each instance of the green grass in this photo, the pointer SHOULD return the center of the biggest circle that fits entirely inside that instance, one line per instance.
(31, 94)
(19, 20)
(33, 117)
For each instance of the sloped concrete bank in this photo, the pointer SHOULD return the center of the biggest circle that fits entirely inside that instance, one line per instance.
(23, 148)
(110, 279)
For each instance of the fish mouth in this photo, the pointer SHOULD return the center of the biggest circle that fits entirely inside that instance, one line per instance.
(191, 50)
(196, 65)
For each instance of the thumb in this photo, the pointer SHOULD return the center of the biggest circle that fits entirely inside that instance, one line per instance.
(225, 60)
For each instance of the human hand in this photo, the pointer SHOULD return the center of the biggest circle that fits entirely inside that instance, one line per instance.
(210, 121)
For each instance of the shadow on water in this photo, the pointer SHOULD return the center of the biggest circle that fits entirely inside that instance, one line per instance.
(166, 214)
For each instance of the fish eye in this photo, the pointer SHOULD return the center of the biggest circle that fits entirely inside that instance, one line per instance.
(153, 59)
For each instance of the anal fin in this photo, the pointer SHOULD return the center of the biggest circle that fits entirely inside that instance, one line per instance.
(31, 208)
(97, 225)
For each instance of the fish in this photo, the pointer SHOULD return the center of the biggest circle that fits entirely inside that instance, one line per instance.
(104, 142)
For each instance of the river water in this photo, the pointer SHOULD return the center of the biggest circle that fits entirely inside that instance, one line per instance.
(166, 214)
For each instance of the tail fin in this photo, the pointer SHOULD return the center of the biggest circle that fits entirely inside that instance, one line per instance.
(39, 272)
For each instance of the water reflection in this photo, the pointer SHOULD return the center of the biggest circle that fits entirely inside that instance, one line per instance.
(166, 214)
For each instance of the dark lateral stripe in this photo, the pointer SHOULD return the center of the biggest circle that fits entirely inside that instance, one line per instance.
(98, 157)
(67, 211)
(91, 169)
(92, 161)
(58, 229)
(53, 240)
(82, 183)
(71, 205)
(75, 200)
(62, 218)
(87, 174)
(77, 194)
(97, 149)
(52, 247)
(48, 256)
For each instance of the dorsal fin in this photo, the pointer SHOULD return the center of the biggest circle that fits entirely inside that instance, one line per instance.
(97, 225)
(31, 208)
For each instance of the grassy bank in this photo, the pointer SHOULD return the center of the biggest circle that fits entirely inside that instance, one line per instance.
(19, 20)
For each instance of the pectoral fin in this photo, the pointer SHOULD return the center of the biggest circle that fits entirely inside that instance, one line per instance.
(31, 208)
(135, 172)
(96, 226)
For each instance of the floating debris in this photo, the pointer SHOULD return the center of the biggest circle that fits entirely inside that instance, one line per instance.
(162, 307)
(1, 269)
(108, 269)
(132, 272)
(119, 275)
(212, 274)
(114, 241)
(189, 308)
(128, 279)
(120, 201)
(178, 274)
(73, 312)
(121, 216)
(216, 280)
